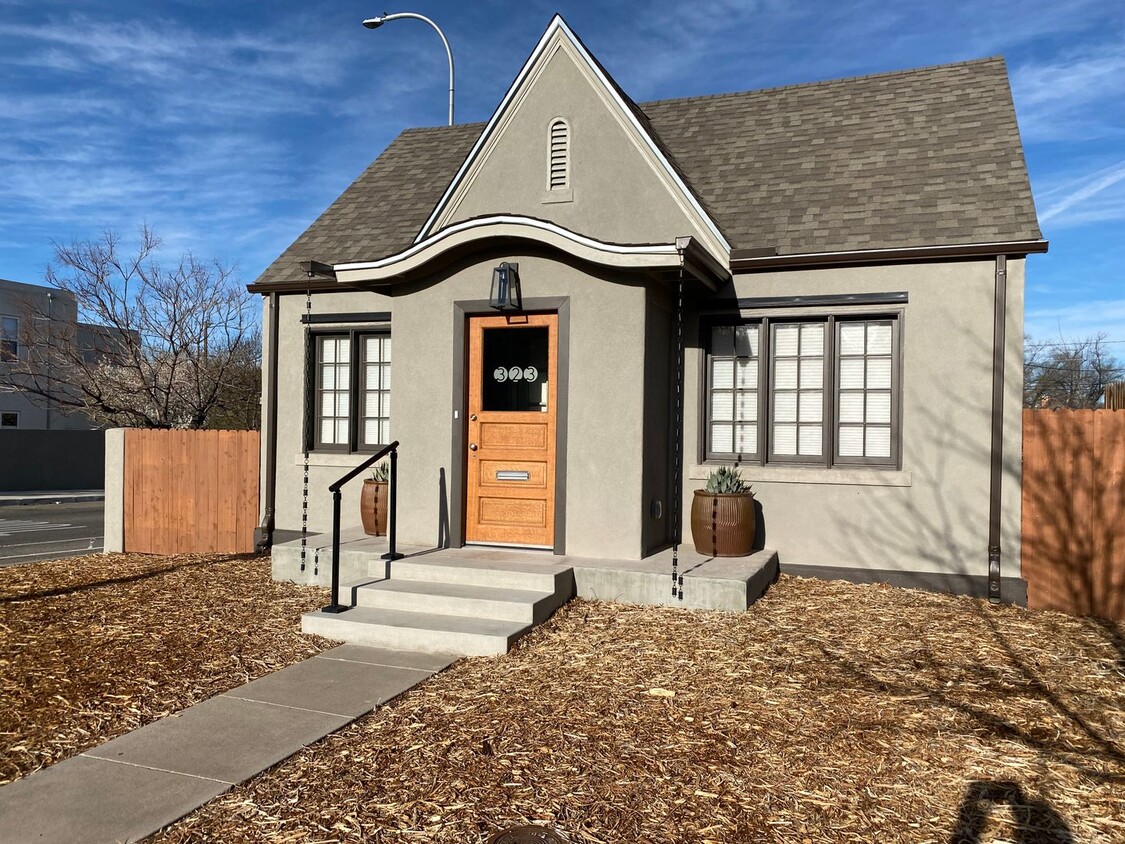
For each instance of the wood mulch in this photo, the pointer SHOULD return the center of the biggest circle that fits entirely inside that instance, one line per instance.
(828, 712)
(93, 647)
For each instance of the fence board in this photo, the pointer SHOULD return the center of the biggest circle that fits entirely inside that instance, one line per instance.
(1073, 520)
(190, 491)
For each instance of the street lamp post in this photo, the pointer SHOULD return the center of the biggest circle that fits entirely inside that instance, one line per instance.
(376, 22)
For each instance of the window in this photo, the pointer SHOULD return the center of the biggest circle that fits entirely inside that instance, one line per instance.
(9, 419)
(559, 176)
(817, 391)
(9, 338)
(351, 384)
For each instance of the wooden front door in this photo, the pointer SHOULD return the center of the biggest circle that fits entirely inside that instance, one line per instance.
(513, 390)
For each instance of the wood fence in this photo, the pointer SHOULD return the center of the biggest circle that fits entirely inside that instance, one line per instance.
(1073, 524)
(190, 491)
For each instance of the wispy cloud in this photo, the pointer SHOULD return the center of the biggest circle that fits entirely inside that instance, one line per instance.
(1077, 96)
(1077, 321)
(1074, 206)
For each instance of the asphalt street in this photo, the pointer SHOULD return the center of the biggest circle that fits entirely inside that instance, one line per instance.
(29, 533)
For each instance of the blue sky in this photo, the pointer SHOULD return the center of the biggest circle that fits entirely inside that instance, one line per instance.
(229, 126)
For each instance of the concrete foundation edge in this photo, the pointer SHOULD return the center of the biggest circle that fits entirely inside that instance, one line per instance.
(1013, 590)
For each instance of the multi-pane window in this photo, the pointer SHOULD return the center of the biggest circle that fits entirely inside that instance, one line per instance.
(352, 389)
(820, 391)
(333, 389)
(734, 390)
(9, 338)
(797, 397)
(864, 378)
(376, 410)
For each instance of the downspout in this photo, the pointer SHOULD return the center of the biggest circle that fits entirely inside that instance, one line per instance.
(265, 532)
(999, 325)
(682, 244)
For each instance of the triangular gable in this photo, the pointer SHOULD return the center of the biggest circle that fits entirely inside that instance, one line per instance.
(558, 40)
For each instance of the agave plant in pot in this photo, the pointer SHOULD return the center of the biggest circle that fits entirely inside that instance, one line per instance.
(722, 515)
(373, 500)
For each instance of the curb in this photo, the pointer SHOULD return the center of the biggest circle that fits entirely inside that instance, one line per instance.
(12, 501)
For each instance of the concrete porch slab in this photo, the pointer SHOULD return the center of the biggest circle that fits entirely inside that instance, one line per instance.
(222, 739)
(710, 583)
(717, 583)
(84, 800)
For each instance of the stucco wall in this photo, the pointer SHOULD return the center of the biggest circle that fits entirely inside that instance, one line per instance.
(617, 193)
(933, 514)
(324, 468)
(605, 504)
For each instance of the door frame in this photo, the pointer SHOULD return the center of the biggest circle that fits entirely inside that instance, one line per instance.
(462, 310)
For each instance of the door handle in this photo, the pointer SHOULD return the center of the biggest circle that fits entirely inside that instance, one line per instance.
(472, 446)
(472, 417)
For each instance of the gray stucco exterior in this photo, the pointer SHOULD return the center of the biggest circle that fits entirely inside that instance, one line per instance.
(610, 253)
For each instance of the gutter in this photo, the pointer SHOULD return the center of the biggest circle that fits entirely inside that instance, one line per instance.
(762, 259)
(996, 476)
(264, 538)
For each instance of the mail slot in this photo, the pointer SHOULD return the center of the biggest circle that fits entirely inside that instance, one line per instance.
(512, 475)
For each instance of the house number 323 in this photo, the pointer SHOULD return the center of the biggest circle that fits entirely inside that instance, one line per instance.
(514, 373)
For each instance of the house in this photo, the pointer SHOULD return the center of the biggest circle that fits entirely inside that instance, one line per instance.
(841, 264)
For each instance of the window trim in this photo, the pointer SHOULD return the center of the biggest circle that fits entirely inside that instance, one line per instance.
(313, 375)
(830, 413)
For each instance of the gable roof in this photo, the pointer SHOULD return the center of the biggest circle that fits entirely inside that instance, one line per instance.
(928, 157)
(558, 36)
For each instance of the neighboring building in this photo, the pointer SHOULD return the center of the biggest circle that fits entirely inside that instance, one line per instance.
(845, 248)
(29, 315)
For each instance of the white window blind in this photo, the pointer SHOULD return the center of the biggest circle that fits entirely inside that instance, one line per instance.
(376, 411)
(798, 389)
(334, 373)
(733, 428)
(865, 387)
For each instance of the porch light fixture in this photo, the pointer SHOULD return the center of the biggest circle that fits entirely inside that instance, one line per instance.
(505, 294)
(379, 20)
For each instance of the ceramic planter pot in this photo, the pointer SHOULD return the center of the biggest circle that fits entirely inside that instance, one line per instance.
(373, 500)
(722, 524)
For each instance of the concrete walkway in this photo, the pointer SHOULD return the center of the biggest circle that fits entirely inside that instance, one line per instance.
(51, 496)
(134, 785)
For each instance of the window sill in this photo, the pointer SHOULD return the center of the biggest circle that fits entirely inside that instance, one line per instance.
(552, 196)
(810, 475)
(333, 458)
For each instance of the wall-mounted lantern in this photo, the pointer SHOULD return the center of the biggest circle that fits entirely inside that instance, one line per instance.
(506, 288)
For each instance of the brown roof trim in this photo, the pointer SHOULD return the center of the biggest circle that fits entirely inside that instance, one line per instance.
(753, 259)
(318, 285)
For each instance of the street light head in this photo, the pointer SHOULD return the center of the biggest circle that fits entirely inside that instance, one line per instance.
(375, 23)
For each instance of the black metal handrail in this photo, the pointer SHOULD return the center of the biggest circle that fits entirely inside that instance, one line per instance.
(392, 554)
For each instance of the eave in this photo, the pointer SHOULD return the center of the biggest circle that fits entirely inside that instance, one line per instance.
(514, 230)
(751, 260)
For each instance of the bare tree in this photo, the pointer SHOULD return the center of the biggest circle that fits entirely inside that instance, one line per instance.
(1070, 374)
(163, 345)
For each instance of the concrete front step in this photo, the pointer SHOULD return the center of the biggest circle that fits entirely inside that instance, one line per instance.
(416, 631)
(497, 573)
(459, 599)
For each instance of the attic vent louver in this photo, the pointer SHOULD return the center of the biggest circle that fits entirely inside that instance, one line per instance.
(560, 156)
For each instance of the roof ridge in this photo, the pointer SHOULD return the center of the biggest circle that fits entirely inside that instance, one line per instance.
(826, 82)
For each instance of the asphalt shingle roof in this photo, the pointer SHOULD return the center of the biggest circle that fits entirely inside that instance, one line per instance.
(926, 157)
